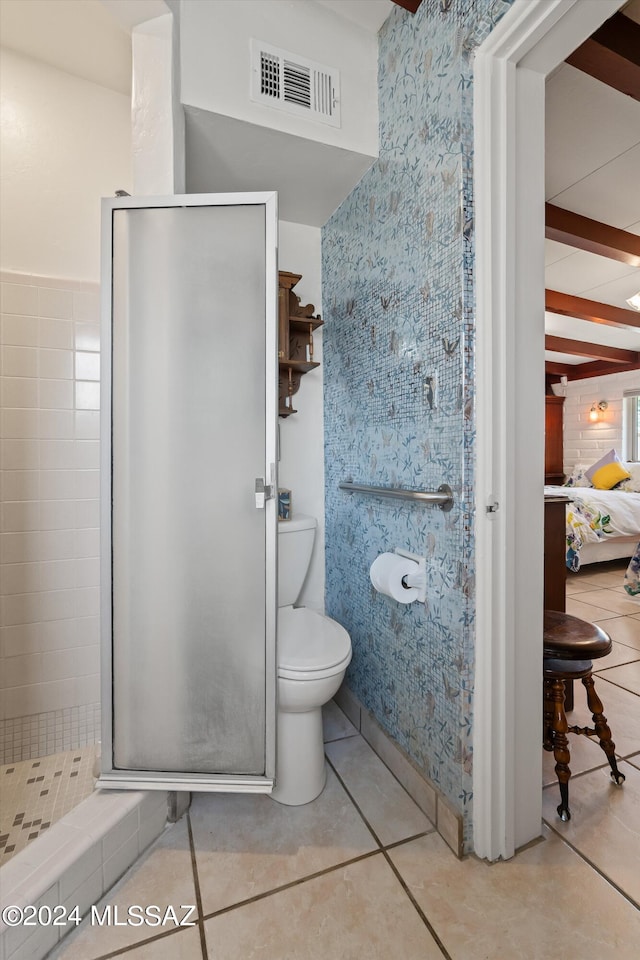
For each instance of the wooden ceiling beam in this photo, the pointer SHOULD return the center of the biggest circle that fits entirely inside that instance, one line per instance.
(583, 371)
(612, 55)
(591, 235)
(410, 5)
(570, 306)
(597, 351)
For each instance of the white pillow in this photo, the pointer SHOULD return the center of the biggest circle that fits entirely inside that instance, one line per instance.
(632, 485)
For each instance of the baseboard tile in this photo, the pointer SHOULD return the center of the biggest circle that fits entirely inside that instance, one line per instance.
(448, 822)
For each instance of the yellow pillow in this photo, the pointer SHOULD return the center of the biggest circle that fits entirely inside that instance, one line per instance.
(606, 477)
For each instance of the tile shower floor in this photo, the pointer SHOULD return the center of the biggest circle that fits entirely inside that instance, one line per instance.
(361, 874)
(36, 793)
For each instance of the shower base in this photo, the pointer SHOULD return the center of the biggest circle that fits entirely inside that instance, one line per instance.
(36, 793)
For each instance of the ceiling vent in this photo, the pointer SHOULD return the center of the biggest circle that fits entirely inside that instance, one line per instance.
(294, 84)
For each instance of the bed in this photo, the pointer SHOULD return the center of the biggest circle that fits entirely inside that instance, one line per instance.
(601, 524)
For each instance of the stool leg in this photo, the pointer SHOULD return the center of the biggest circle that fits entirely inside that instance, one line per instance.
(602, 728)
(561, 747)
(547, 717)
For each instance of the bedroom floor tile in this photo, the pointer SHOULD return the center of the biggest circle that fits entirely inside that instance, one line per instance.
(586, 754)
(605, 823)
(588, 611)
(575, 586)
(525, 908)
(610, 600)
(620, 653)
(621, 708)
(626, 675)
(624, 630)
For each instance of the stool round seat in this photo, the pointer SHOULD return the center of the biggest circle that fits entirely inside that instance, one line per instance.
(569, 638)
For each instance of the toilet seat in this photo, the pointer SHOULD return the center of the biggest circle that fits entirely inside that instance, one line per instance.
(310, 645)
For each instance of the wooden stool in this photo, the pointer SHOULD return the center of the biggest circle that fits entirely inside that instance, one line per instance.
(570, 645)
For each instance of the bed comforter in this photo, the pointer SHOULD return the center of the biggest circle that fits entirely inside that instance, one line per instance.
(597, 515)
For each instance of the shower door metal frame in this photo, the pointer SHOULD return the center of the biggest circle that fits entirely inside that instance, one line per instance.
(112, 777)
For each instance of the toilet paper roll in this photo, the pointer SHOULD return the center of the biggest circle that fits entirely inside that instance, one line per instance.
(386, 573)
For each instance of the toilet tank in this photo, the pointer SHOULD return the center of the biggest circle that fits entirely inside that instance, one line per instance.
(295, 543)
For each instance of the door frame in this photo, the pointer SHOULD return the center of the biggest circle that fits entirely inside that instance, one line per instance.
(510, 70)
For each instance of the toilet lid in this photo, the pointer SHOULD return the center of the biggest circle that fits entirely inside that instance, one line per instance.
(309, 641)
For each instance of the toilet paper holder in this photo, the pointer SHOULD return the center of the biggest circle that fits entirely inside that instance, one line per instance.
(417, 579)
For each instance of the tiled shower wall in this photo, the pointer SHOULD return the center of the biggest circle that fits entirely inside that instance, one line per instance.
(398, 294)
(49, 535)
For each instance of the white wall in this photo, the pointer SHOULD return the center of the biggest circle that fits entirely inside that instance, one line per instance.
(215, 73)
(301, 435)
(584, 441)
(66, 142)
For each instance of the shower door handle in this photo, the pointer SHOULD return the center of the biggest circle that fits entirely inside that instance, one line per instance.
(263, 492)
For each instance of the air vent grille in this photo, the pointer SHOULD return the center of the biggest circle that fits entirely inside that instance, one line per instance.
(294, 84)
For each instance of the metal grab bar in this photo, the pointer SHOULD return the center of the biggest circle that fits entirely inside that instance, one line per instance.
(443, 497)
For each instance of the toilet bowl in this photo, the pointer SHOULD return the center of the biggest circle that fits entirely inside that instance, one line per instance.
(313, 653)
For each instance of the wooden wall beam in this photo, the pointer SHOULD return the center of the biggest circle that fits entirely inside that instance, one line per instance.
(591, 235)
(570, 306)
(612, 55)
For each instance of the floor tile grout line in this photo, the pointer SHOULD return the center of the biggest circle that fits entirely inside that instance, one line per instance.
(416, 905)
(288, 886)
(196, 886)
(385, 854)
(592, 865)
(395, 777)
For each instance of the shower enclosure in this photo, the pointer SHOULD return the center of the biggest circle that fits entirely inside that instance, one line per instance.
(188, 556)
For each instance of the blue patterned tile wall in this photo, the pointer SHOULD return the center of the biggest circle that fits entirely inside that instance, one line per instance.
(399, 390)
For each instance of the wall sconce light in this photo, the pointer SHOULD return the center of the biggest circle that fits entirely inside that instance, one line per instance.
(596, 410)
(634, 301)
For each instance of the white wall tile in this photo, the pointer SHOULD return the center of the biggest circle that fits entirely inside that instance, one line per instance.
(57, 514)
(21, 639)
(20, 578)
(86, 306)
(57, 484)
(18, 392)
(87, 425)
(57, 605)
(19, 516)
(87, 486)
(87, 395)
(64, 664)
(18, 671)
(20, 454)
(19, 331)
(56, 424)
(57, 454)
(19, 361)
(57, 545)
(20, 484)
(20, 547)
(55, 303)
(19, 298)
(57, 334)
(87, 366)
(87, 514)
(19, 424)
(87, 455)
(87, 602)
(87, 542)
(87, 336)
(58, 575)
(87, 573)
(21, 608)
(56, 394)
(56, 364)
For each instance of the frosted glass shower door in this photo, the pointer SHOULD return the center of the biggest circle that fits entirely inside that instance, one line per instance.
(189, 554)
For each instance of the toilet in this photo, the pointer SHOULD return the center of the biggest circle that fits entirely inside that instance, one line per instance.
(313, 654)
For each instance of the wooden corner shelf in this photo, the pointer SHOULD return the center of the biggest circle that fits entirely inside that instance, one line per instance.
(296, 324)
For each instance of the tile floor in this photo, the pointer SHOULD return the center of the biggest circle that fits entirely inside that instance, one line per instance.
(361, 873)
